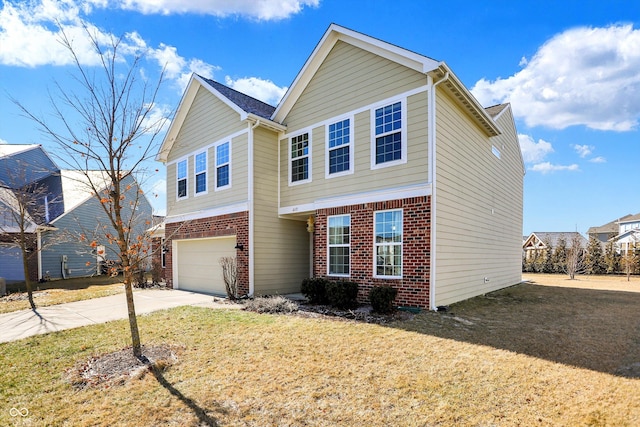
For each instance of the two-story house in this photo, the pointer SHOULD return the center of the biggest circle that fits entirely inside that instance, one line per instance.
(377, 166)
(623, 232)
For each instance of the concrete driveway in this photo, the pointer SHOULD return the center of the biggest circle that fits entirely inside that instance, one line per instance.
(26, 323)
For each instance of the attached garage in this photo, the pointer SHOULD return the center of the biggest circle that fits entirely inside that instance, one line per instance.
(11, 262)
(197, 264)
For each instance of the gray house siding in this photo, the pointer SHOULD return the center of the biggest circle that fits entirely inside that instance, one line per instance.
(88, 219)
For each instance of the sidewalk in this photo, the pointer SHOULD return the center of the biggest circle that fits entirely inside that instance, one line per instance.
(26, 323)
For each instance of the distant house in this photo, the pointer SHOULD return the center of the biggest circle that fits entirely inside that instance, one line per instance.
(68, 209)
(378, 166)
(543, 241)
(623, 232)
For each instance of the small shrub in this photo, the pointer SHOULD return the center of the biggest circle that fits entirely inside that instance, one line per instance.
(271, 305)
(381, 298)
(342, 294)
(315, 290)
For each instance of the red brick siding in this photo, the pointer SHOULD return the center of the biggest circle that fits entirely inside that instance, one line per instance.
(413, 288)
(235, 224)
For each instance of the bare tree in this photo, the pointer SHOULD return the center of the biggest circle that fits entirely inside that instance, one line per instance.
(26, 205)
(108, 125)
(230, 276)
(630, 258)
(574, 259)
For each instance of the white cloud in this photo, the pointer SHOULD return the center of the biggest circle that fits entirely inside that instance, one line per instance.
(583, 150)
(264, 90)
(2, 141)
(583, 76)
(598, 159)
(262, 10)
(532, 151)
(157, 120)
(547, 167)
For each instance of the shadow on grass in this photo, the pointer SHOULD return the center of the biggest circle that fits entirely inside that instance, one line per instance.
(593, 329)
(201, 413)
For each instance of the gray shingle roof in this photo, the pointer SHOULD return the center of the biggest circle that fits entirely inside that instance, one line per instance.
(553, 237)
(494, 110)
(246, 102)
(610, 227)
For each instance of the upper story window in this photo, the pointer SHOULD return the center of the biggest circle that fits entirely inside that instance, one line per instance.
(181, 175)
(339, 154)
(388, 244)
(201, 173)
(223, 165)
(339, 231)
(389, 145)
(300, 158)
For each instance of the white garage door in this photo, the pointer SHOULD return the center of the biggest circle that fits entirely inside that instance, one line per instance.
(198, 264)
(11, 262)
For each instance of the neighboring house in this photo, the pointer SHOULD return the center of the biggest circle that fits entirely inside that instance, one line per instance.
(75, 212)
(624, 232)
(378, 166)
(542, 241)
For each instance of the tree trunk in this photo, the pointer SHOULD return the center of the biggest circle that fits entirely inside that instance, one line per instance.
(27, 281)
(133, 321)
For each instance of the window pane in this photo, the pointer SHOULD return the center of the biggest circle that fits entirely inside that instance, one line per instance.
(201, 162)
(388, 243)
(201, 182)
(182, 169)
(299, 169)
(339, 160)
(389, 148)
(222, 176)
(339, 133)
(182, 188)
(222, 154)
(389, 118)
(339, 260)
(300, 146)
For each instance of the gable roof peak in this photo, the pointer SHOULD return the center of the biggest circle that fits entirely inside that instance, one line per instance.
(247, 103)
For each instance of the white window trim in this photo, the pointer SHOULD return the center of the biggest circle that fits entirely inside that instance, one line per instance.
(309, 157)
(328, 175)
(375, 245)
(206, 173)
(216, 166)
(186, 196)
(329, 246)
(403, 133)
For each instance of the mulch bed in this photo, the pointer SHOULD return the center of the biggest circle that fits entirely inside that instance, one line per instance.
(112, 369)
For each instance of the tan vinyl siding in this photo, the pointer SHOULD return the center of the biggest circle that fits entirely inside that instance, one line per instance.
(281, 246)
(363, 179)
(478, 206)
(350, 78)
(209, 121)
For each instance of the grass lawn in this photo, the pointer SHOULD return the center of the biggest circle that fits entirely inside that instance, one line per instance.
(60, 291)
(526, 355)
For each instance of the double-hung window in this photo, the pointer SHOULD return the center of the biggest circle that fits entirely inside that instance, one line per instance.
(389, 141)
(181, 174)
(300, 158)
(339, 157)
(223, 165)
(201, 173)
(339, 228)
(388, 243)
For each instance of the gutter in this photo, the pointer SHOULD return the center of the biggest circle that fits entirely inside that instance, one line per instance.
(432, 179)
(250, 191)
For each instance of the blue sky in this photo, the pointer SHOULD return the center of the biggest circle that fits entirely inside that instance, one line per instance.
(571, 70)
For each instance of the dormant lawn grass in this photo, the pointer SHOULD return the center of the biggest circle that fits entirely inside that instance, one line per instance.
(60, 291)
(513, 357)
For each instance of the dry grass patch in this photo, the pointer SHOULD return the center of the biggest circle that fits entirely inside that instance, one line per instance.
(244, 369)
(60, 291)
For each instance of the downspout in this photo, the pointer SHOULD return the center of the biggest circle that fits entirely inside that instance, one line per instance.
(39, 249)
(251, 210)
(432, 178)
